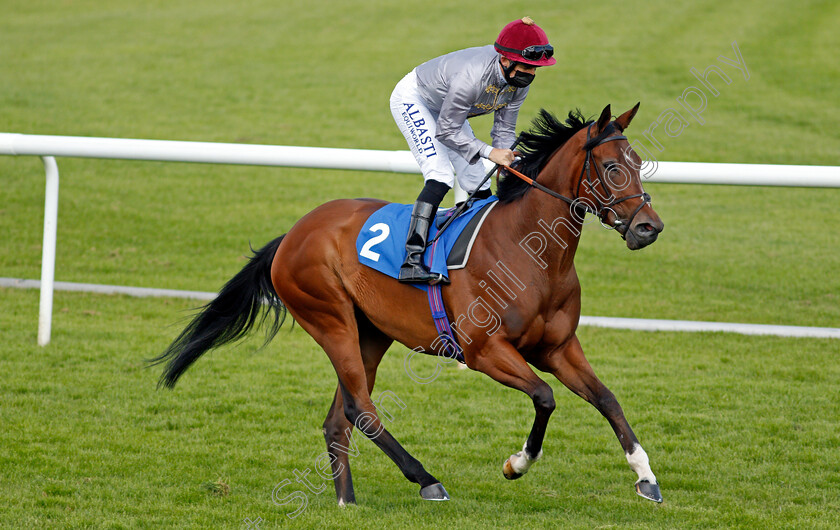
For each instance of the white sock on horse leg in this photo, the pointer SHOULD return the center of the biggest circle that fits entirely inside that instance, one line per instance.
(640, 463)
(521, 462)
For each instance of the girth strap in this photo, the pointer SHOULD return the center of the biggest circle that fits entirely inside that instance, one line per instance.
(451, 349)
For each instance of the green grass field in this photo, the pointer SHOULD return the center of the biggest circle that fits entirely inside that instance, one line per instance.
(741, 431)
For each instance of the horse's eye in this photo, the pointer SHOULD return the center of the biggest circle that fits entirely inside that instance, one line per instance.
(610, 166)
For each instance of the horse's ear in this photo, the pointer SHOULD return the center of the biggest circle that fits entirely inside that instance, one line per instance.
(623, 121)
(602, 121)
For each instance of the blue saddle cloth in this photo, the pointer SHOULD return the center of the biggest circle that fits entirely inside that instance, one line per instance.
(381, 242)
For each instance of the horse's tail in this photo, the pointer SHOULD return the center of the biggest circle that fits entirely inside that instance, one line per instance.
(229, 316)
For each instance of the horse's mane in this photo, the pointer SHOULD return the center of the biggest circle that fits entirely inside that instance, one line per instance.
(547, 134)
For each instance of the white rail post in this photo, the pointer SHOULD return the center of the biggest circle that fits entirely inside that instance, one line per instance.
(48, 250)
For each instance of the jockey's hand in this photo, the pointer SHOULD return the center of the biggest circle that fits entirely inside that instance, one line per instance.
(503, 157)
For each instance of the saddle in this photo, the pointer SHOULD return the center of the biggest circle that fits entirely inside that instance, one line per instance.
(460, 252)
(381, 241)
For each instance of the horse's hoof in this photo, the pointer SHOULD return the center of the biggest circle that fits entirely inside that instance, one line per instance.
(508, 471)
(434, 492)
(648, 490)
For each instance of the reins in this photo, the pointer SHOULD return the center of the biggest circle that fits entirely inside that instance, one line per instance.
(601, 210)
(540, 187)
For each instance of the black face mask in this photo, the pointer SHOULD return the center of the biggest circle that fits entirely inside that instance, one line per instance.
(520, 79)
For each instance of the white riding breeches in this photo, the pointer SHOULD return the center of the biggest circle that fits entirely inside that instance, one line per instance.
(419, 125)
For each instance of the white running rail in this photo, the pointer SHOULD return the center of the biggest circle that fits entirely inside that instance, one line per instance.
(48, 147)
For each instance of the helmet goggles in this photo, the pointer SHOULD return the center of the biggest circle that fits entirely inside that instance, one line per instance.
(531, 53)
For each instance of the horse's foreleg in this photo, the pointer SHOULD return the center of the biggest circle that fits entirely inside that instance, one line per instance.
(504, 364)
(570, 366)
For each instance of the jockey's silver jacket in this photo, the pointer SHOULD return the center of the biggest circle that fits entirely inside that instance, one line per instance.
(467, 83)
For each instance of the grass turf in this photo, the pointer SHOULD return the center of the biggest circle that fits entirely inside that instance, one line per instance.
(741, 430)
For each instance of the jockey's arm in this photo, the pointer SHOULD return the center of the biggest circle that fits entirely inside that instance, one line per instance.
(504, 121)
(454, 111)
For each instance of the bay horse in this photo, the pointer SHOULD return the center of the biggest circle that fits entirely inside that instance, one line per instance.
(517, 300)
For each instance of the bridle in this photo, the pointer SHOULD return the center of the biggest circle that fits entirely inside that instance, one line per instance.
(600, 209)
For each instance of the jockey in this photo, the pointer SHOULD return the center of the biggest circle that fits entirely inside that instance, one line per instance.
(431, 106)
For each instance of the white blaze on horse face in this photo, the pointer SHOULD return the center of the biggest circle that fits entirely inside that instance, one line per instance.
(640, 463)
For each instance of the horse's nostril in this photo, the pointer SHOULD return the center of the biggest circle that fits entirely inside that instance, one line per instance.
(645, 229)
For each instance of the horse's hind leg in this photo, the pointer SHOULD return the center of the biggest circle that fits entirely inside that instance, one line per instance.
(337, 429)
(320, 305)
(337, 433)
(570, 366)
(360, 411)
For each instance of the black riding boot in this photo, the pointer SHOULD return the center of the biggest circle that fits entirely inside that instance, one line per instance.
(413, 270)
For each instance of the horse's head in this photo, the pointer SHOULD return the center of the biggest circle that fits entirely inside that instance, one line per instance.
(610, 184)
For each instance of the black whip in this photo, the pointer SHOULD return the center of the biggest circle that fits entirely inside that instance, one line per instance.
(463, 206)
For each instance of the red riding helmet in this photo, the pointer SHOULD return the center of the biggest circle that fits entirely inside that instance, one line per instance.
(523, 41)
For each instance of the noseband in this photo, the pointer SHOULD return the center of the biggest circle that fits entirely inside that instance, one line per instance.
(603, 209)
(600, 210)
